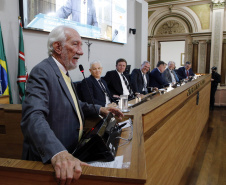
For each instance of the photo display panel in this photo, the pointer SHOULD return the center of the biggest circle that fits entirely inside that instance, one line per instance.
(97, 19)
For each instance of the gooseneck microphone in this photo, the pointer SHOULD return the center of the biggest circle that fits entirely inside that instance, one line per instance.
(82, 71)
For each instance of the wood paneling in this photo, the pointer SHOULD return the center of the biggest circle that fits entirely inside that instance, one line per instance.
(208, 57)
(169, 149)
(11, 140)
(195, 58)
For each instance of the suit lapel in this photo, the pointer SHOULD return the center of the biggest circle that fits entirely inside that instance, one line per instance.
(140, 73)
(147, 77)
(169, 74)
(95, 82)
(64, 85)
(185, 72)
(118, 79)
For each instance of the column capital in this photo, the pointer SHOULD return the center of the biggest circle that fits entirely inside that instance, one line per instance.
(195, 42)
(218, 4)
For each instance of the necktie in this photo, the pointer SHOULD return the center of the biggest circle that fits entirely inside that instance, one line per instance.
(75, 100)
(187, 74)
(145, 83)
(102, 87)
(175, 76)
(105, 92)
(127, 85)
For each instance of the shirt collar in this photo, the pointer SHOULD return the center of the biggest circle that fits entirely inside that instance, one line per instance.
(158, 70)
(61, 67)
(141, 72)
(118, 72)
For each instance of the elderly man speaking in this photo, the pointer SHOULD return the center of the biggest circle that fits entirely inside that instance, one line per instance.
(52, 116)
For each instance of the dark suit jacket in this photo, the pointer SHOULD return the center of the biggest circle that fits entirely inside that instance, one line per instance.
(74, 7)
(114, 83)
(95, 90)
(49, 119)
(137, 80)
(181, 73)
(167, 76)
(156, 79)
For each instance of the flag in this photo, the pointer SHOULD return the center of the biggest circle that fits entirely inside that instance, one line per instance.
(5, 88)
(22, 69)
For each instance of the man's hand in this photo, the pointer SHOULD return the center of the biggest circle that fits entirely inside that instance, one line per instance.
(67, 167)
(105, 110)
(112, 104)
(116, 96)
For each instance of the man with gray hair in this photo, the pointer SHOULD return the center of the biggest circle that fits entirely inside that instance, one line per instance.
(140, 78)
(52, 115)
(98, 90)
(169, 74)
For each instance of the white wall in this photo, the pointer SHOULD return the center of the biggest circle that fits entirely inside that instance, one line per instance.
(171, 51)
(36, 50)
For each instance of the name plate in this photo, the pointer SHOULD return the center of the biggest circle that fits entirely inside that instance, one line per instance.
(192, 89)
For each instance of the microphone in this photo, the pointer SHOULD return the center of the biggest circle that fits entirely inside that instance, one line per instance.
(82, 71)
(115, 34)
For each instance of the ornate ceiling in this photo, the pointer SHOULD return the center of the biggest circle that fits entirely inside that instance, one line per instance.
(154, 2)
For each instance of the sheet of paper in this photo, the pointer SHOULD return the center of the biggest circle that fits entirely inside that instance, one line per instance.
(117, 163)
(127, 123)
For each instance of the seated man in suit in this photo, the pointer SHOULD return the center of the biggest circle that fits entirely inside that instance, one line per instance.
(97, 87)
(117, 82)
(185, 72)
(155, 76)
(169, 74)
(140, 79)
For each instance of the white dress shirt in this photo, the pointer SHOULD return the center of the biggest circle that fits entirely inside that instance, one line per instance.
(124, 87)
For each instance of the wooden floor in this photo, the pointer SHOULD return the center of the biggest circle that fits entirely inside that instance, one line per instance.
(209, 160)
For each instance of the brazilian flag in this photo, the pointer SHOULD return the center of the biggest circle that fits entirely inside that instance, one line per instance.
(4, 73)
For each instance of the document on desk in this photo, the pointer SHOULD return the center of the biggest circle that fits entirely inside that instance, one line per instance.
(128, 122)
(117, 163)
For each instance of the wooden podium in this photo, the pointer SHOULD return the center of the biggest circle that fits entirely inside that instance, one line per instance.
(4, 99)
(166, 130)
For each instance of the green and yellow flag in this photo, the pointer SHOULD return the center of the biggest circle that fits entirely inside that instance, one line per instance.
(22, 69)
(5, 88)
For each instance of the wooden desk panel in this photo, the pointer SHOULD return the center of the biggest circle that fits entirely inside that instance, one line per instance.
(29, 172)
(11, 138)
(172, 131)
(4, 99)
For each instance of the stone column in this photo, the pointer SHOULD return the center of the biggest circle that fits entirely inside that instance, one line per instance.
(152, 54)
(202, 57)
(217, 33)
(188, 49)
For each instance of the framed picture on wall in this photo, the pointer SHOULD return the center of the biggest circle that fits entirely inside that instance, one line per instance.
(182, 59)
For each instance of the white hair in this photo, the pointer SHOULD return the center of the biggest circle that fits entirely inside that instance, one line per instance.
(171, 62)
(56, 35)
(145, 63)
(95, 62)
